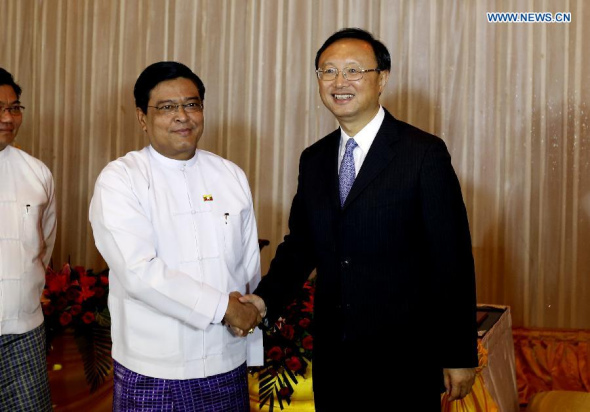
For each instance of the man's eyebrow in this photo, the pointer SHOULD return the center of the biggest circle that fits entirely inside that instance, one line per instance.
(13, 103)
(346, 63)
(170, 101)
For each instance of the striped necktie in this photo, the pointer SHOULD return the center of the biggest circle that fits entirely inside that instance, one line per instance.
(347, 171)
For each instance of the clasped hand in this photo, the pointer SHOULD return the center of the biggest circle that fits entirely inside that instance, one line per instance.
(241, 317)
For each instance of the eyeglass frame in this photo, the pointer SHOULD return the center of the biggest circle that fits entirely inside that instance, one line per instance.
(10, 109)
(320, 72)
(176, 107)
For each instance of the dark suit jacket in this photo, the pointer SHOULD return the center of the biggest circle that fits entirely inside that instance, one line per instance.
(395, 289)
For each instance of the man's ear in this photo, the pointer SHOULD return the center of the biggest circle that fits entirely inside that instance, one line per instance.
(141, 119)
(383, 78)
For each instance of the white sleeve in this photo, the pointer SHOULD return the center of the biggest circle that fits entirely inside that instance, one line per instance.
(124, 236)
(49, 219)
(251, 249)
(255, 351)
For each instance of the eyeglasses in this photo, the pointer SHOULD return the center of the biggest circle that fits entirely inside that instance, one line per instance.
(13, 110)
(349, 73)
(173, 108)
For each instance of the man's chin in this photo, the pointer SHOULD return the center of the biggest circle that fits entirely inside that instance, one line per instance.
(5, 141)
(344, 113)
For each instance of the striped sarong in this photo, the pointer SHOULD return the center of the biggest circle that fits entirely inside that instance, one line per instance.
(24, 384)
(226, 392)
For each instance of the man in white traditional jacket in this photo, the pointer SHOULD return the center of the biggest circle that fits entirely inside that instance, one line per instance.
(27, 235)
(176, 226)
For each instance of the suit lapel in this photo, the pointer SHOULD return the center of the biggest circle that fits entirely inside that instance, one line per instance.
(331, 168)
(379, 157)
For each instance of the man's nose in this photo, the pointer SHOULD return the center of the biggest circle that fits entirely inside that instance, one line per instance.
(181, 114)
(340, 79)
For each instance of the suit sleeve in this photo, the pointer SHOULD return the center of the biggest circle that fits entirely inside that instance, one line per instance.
(449, 244)
(294, 259)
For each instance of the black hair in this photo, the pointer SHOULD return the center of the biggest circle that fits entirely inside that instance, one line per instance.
(159, 72)
(7, 79)
(381, 53)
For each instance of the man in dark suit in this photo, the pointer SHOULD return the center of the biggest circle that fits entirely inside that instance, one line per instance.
(379, 213)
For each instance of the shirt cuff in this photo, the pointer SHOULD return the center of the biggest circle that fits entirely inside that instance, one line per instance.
(221, 309)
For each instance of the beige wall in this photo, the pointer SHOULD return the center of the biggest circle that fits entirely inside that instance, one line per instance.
(510, 100)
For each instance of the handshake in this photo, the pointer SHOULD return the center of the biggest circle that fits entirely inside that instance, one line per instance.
(243, 313)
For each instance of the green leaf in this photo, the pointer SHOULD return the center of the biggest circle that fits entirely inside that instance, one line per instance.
(103, 318)
(94, 345)
(291, 375)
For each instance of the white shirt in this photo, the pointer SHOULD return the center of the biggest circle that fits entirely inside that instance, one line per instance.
(27, 236)
(178, 237)
(364, 138)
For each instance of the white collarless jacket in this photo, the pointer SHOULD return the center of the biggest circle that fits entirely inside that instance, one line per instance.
(27, 236)
(178, 237)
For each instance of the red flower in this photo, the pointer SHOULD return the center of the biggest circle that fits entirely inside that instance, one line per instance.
(70, 300)
(293, 363)
(288, 332)
(56, 282)
(86, 293)
(75, 310)
(304, 323)
(87, 280)
(275, 353)
(65, 318)
(73, 293)
(88, 317)
(307, 342)
(290, 348)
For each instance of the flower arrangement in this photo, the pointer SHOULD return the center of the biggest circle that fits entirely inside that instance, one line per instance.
(76, 298)
(287, 351)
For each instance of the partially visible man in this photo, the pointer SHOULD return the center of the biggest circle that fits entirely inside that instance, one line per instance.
(27, 235)
(176, 226)
(379, 213)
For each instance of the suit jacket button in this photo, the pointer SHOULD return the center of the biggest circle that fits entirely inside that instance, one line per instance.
(345, 264)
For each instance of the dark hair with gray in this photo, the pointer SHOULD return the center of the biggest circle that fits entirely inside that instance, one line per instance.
(381, 53)
(159, 72)
(7, 79)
